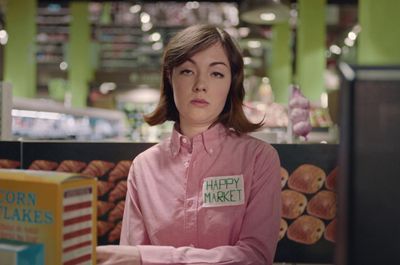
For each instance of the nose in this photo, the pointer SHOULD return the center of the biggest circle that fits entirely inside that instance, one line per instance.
(201, 84)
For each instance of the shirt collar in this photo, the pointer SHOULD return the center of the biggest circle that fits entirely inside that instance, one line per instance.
(209, 139)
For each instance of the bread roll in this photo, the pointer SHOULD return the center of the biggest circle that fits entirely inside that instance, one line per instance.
(330, 183)
(10, 164)
(119, 192)
(71, 166)
(97, 168)
(283, 228)
(117, 213)
(293, 204)
(103, 187)
(43, 165)
(103, 227)
(104, 207)
(284, 177)
(307, 178)
(330, 231)
(114, 235)
(306, 230)
(120, 171)
(323, 205)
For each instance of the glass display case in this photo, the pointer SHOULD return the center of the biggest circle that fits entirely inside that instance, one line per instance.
(44, 119)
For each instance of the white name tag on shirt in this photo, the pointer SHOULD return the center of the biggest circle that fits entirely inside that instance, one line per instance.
(223, 191)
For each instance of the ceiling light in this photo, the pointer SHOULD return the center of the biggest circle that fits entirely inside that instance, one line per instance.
(264, 12)
(254, 44)
(267, 16)
(155, 36)
(135, 9)
(144, 17)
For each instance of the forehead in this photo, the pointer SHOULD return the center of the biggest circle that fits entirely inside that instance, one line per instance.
(213, 53)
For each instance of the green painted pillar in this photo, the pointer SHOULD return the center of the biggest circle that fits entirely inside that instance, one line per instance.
(79, 62)
(379, 39)
(310, 58)
(280, 72)
(20, 50)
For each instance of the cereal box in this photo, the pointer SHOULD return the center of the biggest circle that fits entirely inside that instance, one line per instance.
(57, 210)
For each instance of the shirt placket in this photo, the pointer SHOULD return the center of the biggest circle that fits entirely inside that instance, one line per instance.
(191, 199)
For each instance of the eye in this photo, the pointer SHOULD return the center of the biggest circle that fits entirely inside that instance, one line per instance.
(186, 72)
(217, 74)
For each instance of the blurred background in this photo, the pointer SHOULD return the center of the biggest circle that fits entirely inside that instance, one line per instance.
(89, 70)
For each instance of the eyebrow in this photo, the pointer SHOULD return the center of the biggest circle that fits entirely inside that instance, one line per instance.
(211, 64)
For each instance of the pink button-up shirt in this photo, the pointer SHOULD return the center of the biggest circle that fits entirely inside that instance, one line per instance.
(215, 200)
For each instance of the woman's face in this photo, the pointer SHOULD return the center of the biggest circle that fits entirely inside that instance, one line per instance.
(201, 85)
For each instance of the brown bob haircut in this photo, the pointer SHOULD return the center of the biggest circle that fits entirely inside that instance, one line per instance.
(182, 47)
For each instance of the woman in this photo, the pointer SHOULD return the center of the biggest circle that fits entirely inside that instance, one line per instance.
(209, 194)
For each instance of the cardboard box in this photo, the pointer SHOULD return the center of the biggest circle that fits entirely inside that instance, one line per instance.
(55, 209)
(21, 253)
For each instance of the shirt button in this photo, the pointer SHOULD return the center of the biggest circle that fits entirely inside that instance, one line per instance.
(186, 164)
(190, 203)
(184, 140)
(211, 151)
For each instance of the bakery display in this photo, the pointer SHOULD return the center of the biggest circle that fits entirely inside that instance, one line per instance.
(306, 230)
(293, 204)
(307, 178)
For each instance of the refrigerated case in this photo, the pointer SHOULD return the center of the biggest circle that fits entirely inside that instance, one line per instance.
(44, 119)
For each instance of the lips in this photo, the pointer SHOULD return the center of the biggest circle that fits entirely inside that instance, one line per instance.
(199, 101)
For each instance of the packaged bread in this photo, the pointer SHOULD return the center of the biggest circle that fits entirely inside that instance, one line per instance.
(43, 165)
(97, 168)
(284, 176)
(103, 187)
(115, 233)
(330, 183)
(323, 205)
(117, 213)
(307, 178)
(293, 204)
(306, 230)
(330, 231)
(120, 171)
(103, 227)
(73, 166)
(283, 228)
(9, 164)
(119, 192)
(104, 207)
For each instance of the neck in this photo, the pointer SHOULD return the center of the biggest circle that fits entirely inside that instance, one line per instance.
(191, 130)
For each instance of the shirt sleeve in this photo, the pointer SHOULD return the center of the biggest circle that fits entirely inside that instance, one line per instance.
(258, 238)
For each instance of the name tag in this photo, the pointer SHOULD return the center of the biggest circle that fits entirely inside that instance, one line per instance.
(223, 191)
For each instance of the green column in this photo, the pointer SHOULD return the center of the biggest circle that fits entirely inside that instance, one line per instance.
(79, 68)
(379, 40)
(20, 50)
(280, 71)
(310, 59)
